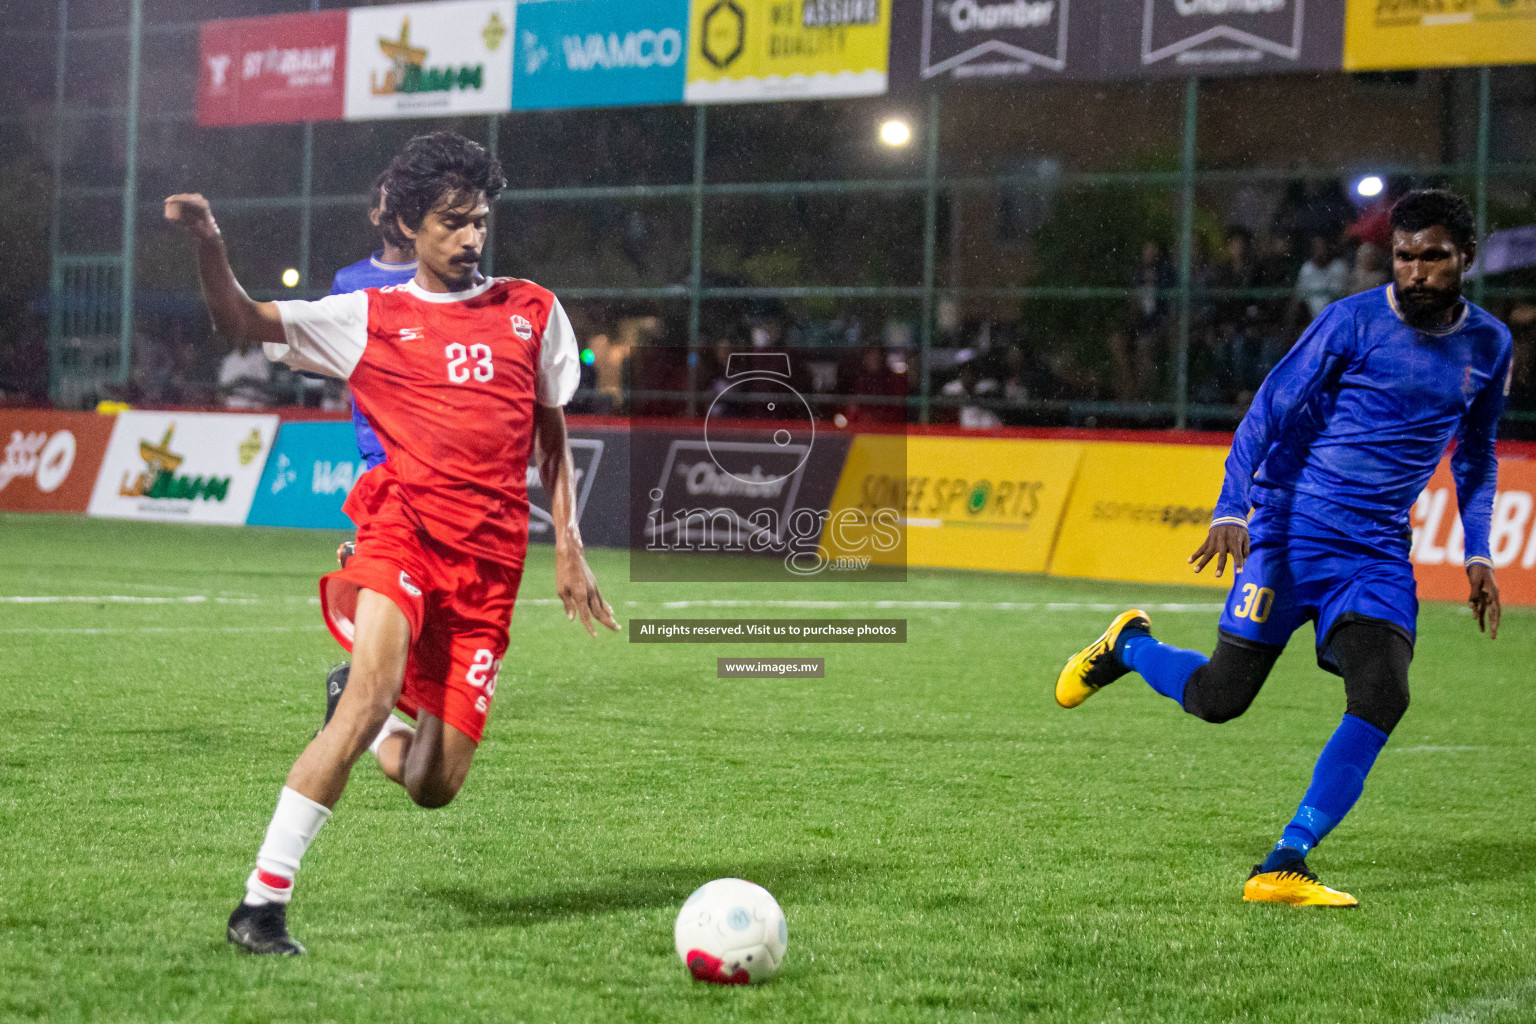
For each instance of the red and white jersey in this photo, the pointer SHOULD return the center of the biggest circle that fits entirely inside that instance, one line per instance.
(449, 382)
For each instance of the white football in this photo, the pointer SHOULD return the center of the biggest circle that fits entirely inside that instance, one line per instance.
(731, 932)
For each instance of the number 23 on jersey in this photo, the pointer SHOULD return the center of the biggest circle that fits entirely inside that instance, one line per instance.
(474, 361)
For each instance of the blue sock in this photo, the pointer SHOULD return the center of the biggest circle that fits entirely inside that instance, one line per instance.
(1337, 783)
(1165, 668)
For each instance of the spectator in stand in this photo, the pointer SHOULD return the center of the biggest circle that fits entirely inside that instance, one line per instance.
(243, 378)
(1522, 385)
(965, 388)
(1322, 280)
(876, 379)
(1370, 269)
(1374, 224)
(1153, 277)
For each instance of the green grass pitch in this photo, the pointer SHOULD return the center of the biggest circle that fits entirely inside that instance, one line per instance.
(947, 843)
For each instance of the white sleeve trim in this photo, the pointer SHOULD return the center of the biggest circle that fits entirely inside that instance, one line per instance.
(559, 361)
(1480, 560)
(1231, 521)
(325, 337)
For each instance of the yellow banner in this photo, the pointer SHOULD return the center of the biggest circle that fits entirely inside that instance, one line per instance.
(966, 504)
(1382, 34)
(787, 49)
(1138, 511)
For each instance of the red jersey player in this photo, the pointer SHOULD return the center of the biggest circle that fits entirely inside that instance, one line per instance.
(463, 378)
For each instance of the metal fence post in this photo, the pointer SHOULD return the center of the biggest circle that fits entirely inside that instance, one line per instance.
(696, 273)
(55, 221)
(306, 205)
(1484, 144)
(930, 244)
(130, 193)
(488, 257)
(1186, 251)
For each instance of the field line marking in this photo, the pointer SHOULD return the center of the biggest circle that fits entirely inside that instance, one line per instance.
(121, 599)
(1488, 1009)
(1425, 749)
(1000, 606)
(101, 630)
(183, 599)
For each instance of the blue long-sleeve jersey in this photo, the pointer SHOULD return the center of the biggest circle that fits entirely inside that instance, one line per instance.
(372, 272)
(1350, 425)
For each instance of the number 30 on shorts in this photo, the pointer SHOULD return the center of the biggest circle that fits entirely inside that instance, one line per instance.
(1257, 603)
(481, 674)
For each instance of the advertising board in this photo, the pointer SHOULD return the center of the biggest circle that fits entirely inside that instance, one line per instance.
(1387, 34)
(183, 467)
(429, 60)
(965, 503)
(1138, 510)
(288, 67)
(742, 50)
(50, 459)
(594, 53)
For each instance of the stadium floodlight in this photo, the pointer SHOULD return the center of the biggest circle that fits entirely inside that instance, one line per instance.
(290, 278)
(895, 133)
(1370, 186)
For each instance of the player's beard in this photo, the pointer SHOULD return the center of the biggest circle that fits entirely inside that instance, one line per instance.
(467, 269)
(1427, 307)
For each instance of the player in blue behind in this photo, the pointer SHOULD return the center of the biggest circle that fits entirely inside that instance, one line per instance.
(1340, 440)
(393, 264)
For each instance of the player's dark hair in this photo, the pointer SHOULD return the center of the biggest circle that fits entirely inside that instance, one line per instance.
(379, 199)
(1432, 208)
(437, 167)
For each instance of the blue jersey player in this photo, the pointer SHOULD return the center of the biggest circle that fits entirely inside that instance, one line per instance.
(393, 264)
(1340, 439)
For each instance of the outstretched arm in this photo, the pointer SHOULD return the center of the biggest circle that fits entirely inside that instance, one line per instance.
(235, 314)
(1284, 401)
(1475, 465)
(574, 581)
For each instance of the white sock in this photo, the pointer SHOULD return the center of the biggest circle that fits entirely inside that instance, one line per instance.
(391, 726)
(294, 825)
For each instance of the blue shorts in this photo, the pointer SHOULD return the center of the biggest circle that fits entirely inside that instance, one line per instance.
(1299, 569)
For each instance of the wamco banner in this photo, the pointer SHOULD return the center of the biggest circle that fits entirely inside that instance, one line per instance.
(429, 60)
(183, 467)
(742, 50)
(312, 469)
(984, 40)
(1216, 37)
(590, 53)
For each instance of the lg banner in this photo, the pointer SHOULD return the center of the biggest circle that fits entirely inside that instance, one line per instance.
(183, 467)
(290, 67)
(1438, 551)
(429, 60)
(50, 459)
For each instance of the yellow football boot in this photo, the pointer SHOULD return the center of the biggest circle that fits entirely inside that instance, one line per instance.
(1096, 666)
(1294, 883)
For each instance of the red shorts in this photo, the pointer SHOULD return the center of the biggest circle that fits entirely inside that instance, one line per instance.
(459, 608)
